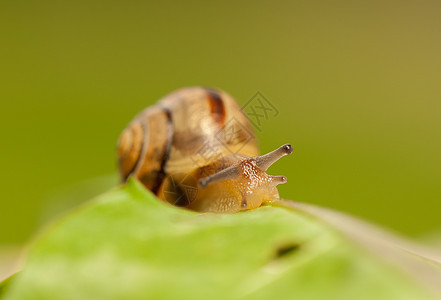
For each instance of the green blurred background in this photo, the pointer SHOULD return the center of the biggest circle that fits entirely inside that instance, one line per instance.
(356, 83)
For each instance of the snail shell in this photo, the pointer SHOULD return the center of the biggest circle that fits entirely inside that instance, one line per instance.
(196, 148)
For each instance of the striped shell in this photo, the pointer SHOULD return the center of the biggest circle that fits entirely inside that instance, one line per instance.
(184, 132)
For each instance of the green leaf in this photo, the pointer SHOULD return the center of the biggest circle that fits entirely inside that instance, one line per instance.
(4, 285)
(128, 245)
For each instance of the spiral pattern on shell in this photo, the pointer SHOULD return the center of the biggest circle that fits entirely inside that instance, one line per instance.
(186, 130)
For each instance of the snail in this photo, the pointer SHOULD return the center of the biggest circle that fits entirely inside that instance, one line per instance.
(197, 149)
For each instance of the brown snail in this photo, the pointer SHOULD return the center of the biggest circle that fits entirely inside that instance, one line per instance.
(196, 148)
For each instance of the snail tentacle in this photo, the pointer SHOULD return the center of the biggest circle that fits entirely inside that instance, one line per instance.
(265, 161)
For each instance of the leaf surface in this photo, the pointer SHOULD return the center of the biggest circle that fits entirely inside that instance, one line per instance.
(128, 245)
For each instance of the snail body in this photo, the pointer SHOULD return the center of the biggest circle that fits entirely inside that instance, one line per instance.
(196, 148)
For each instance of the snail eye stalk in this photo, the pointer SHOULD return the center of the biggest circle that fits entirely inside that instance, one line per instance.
(228, 173)
(263, 162)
